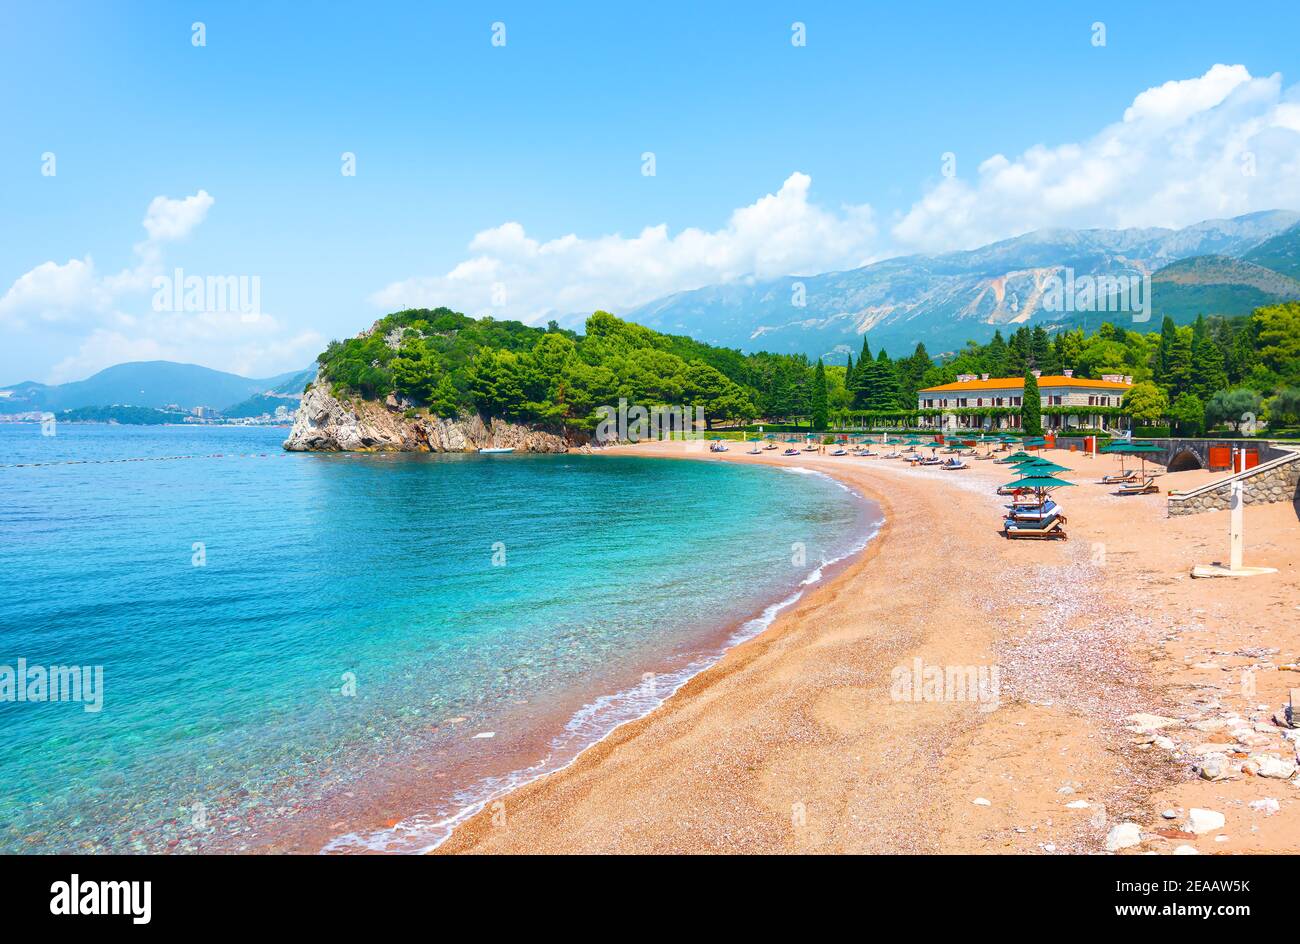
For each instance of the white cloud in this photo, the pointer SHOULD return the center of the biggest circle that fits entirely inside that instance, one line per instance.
(778, 234)
(1183, 152)
(105, 319)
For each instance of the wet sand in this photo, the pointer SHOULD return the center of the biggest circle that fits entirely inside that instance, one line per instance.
(794, 741)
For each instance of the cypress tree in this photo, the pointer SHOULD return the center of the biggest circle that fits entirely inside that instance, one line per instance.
(820, 404)
(857, 382)
(1031, 407)
(1209, 374)
(1168, 335)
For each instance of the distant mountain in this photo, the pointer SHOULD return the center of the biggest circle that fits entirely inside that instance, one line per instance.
(946, 299)
(154, 384)
(1281, 253)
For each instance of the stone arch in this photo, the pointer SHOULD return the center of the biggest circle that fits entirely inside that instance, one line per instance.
(1185, 459)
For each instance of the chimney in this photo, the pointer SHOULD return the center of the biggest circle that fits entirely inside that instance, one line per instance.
(1128, 379)
(1037, 373)
(984, 376)
(1068, 373)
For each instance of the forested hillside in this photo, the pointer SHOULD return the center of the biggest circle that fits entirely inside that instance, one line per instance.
(444, 362)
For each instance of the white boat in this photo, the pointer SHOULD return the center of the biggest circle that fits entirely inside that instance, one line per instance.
(497, 449)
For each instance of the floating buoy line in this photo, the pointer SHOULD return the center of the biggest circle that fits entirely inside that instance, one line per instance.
(213, 455)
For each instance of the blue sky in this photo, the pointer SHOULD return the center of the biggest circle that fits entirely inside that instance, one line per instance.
(454, 137)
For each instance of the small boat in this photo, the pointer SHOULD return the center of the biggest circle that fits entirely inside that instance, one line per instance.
(497, 449)
(790, 452)
(838, 452)
(717, 447)
(755, 451)
(770, 446)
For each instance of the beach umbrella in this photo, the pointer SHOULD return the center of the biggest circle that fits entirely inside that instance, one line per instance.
(1041, 467)
(1038, 482)
(1020, 456)
(1142, 450)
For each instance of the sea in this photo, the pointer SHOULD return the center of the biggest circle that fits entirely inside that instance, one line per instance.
(245, 649)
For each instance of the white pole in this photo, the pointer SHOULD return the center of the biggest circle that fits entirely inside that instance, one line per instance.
(1236, 536)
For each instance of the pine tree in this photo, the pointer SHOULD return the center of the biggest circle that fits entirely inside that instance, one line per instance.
(884, 392)
(1018, 352)
(995, 356)
(857, 382)
(1178, 364)
(1168, 335)
(1209, 374)
(820, 405)
(1031, 407)
(1040, 350)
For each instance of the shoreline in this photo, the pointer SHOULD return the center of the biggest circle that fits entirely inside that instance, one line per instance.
(723, 636)
(720, 765)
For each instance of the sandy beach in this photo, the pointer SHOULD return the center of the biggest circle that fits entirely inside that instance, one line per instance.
(803, 739)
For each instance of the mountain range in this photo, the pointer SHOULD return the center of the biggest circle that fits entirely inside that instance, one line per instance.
(1224, 267)
(155, 384)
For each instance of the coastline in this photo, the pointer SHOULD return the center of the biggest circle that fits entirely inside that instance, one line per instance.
(790, 742)
(576, 728)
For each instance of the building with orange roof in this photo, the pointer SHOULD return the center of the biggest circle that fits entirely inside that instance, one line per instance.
(980, 401)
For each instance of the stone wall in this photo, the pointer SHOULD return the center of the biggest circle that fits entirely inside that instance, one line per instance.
(1280, 483)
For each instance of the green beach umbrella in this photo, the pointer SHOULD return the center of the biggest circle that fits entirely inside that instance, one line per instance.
(1041, 482)
(1041, 467)
(1020, 456)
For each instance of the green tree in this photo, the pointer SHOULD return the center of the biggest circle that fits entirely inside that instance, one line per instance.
(1178, 364)
(884, 391)
(1146, 403)
(1168, 333)
(1285, 407)
(1031, 407)
(995, 355)
(1188, 414)
(1233, 407)
(1209, 374)
(820, 404)
(1277, 333)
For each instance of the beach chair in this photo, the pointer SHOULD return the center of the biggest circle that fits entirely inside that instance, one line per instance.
(1146, 487)
(1047, 530)
(1118, 478)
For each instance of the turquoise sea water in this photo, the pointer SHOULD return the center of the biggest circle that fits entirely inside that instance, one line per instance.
(356, 621)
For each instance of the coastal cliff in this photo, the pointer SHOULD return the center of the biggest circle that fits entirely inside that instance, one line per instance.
(328, 423)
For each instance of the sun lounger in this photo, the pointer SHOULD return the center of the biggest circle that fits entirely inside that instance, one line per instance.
(1118, 478)
(1050, 529)
(1145, 487)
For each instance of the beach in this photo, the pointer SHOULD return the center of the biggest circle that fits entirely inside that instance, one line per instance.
(818, 736)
